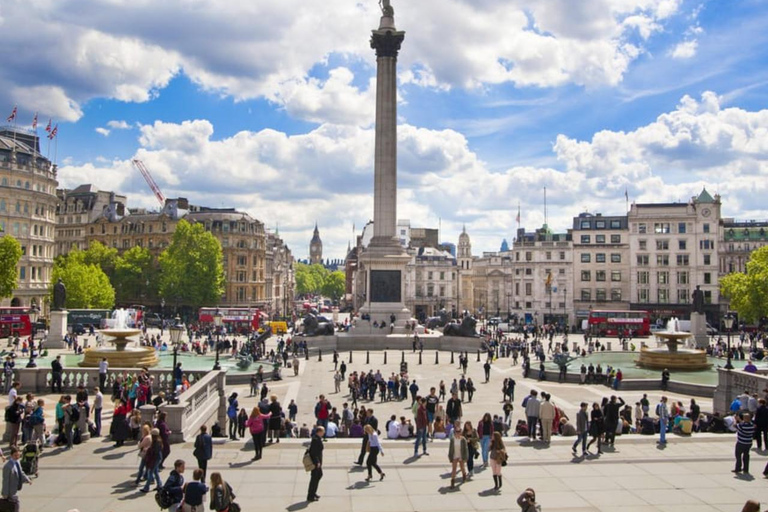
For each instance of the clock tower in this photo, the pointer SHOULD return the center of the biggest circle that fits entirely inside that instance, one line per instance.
(316, 248)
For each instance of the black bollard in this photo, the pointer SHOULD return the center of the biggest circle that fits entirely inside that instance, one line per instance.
(402, 359)
(419, 357)
(451, 356)
(367, 357)
(437, 361)
(385, 357)
(319, 355)
(306, 354)
(350, 357)
(478, 355)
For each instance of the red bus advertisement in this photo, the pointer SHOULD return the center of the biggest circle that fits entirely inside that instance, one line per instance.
(236, 318)
(15, 322)
(613, 323)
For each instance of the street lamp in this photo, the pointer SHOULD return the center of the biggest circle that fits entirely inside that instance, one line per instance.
(728, 320)
(218, 318)
(565, 313)
(175, 331)
(34, 313)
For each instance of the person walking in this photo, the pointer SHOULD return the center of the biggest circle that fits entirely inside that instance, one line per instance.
(119, 430)
(581, 430)
(485, 432)
(453, 409)
(222, 495)
(174, 485)
(473, 443)
(663, 413)
(194, 492)
(103, 369)
(532, 411)
(232, 410)
(745, 432)
(13, 479)
(152, 460)
(596, 427)
(458, 453)
(98, 404)
(203, 449)
(165, 436)
(487, 369)
(498, 459)
(56, 371)
(547, 416)
(422, 422)
(612, 409)
(255, 426)
(374, 449)
(144, 444)
(275, 419)
(316, 454)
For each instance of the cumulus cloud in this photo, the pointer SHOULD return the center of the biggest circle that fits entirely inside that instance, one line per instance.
(129, 51)
(119, 125)
(326, 174)
(103, 131)
(685, 50)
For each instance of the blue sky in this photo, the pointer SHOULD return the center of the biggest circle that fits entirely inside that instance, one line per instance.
(268, 106)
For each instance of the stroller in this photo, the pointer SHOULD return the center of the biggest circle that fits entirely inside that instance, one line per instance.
(29, 457)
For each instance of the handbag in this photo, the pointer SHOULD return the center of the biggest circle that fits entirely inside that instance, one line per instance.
(309, 465)
(234, 507)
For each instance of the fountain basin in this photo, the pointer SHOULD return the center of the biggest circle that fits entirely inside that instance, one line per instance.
(120, 335)
(128, 357)
(681, 359)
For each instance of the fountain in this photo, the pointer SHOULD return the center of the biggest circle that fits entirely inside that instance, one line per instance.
(121, 355)
(673, 357)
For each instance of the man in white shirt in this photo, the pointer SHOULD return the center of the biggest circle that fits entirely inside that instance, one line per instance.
(103, 367)
(98, 401)
(393, 429)
(13, 393)
(331, 430)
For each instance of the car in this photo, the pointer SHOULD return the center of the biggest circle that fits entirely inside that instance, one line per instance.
(494, 321)
(78, 329)
(152, 320)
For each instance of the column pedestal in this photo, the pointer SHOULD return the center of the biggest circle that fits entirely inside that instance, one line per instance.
(699, 330)
(57, 330)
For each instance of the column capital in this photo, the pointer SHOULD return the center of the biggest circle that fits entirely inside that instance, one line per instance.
(387, 43)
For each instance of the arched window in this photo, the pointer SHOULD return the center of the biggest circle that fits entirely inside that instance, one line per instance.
(26, 185)
(2, 205)
(5, 182)
(18, 183)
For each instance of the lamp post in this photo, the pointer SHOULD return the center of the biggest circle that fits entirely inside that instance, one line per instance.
(565, 313)
(218, 318)
(34, 313)
(728, 321)
(175, 331)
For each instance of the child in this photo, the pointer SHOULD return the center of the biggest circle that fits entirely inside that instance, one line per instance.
(241, 419)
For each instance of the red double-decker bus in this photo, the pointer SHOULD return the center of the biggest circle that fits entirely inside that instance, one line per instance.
(614, 323)
(240, 319)
(15, 322)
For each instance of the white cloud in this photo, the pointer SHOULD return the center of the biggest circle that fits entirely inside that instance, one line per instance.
(103, 131)
(685, 50)
(119, 125)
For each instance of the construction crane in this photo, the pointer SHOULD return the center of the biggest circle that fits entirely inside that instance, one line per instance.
(150, 181)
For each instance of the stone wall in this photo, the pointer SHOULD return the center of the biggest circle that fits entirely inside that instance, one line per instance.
(732, 383)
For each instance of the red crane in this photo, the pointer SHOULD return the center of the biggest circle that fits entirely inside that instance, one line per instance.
(150, 181)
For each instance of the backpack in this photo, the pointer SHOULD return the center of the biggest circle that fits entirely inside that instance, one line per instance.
(74, 413)
(658, 409)
(163, 498)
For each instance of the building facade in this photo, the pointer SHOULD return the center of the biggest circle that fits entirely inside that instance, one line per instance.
(279, 281)
(737, 241)
(316, 248)
(77, 209)
(430, 282)
(28, 213)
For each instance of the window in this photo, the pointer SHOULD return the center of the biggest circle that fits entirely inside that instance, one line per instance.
(585, 239)
(706, 228)
(442, 276)
(600, 295)
(586, 295)
(615, 239)
(683, 278)
(562, 255)
(585, 257)
(662, 245)
(615, 257)
(429, 275)
(561, 271)
(643, 277)
(528, 256)
(663, 295)
(643, 296)
(707, 278)
(600, 224)
(615, 275)
(662, 260)
(517, 288)
(641, 228)
(642, 245)
(681, 227)
(707, 244)
(661, 227)
(642, 260)
(682, 296)
(662, 277)
(707, 297)
(600, 275)
(681, 245)
(682, 260)
(22, 273)
(600, 257)
(615, 293)
(586, 275)
(599, 239)
(707, 259)
(585, 224)
(528, 288)
(548, 255)
(528, 305)
(528, 272)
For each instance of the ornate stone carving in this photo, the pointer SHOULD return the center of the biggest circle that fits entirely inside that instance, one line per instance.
(387, 44)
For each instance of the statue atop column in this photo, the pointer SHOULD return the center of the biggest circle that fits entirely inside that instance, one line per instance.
(59, 296)
(698, 300)
(386, 8)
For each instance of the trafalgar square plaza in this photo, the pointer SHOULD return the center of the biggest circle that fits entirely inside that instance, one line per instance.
(182, 359)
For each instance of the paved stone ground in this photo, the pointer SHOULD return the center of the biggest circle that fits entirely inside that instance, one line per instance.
(637, 475)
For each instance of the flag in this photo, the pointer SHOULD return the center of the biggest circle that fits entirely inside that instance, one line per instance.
(54, 132)
(12, 117)
(626, 194)
(549, 279)
(48, 126)
(34, 122)
(518, 213)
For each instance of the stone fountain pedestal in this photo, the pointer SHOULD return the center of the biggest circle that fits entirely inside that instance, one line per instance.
(673, 357)
(699, 330)
(121, 355)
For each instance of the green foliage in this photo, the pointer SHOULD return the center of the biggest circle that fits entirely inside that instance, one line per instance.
(748, 293)
(135, 275)
(335, 285)
(310, 278)
(88, 287)
(192, 273)
(101, 255)
(10, 253)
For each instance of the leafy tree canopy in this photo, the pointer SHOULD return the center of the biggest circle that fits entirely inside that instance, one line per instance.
(748, 293)
(10, 253)
(88, 287)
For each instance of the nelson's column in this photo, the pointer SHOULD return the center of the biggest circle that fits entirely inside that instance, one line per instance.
(384, 258)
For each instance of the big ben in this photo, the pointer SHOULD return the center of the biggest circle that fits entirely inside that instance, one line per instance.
(316, 248)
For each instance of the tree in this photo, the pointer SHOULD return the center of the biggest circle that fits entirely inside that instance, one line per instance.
(88, 287)
(103, 256)
(335, 285)
(191, 269)
(10, 254)
(135, 275)
(310, 278)
(748, 293)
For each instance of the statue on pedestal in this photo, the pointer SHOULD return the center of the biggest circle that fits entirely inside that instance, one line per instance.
(59, 296)
(698, 300)
(386, 8)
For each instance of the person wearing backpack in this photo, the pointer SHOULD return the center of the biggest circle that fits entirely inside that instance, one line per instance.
(13, 417)
(71, 415)
(174, 486)
(203, 449)
(222, 496)
(232, 416)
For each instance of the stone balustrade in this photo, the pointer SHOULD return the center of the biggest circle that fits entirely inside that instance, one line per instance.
(202, 404)
(732, 383)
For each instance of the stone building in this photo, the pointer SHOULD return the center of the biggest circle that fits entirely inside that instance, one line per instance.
(430, 282)
(737, 241)
(674, 248)
(28, 212)
(279, 283)
(316, 248)
(77, 209)
(601, 264)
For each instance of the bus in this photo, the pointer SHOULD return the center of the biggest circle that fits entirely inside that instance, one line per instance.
(14, 321)
(614, 323)
(235, 319)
